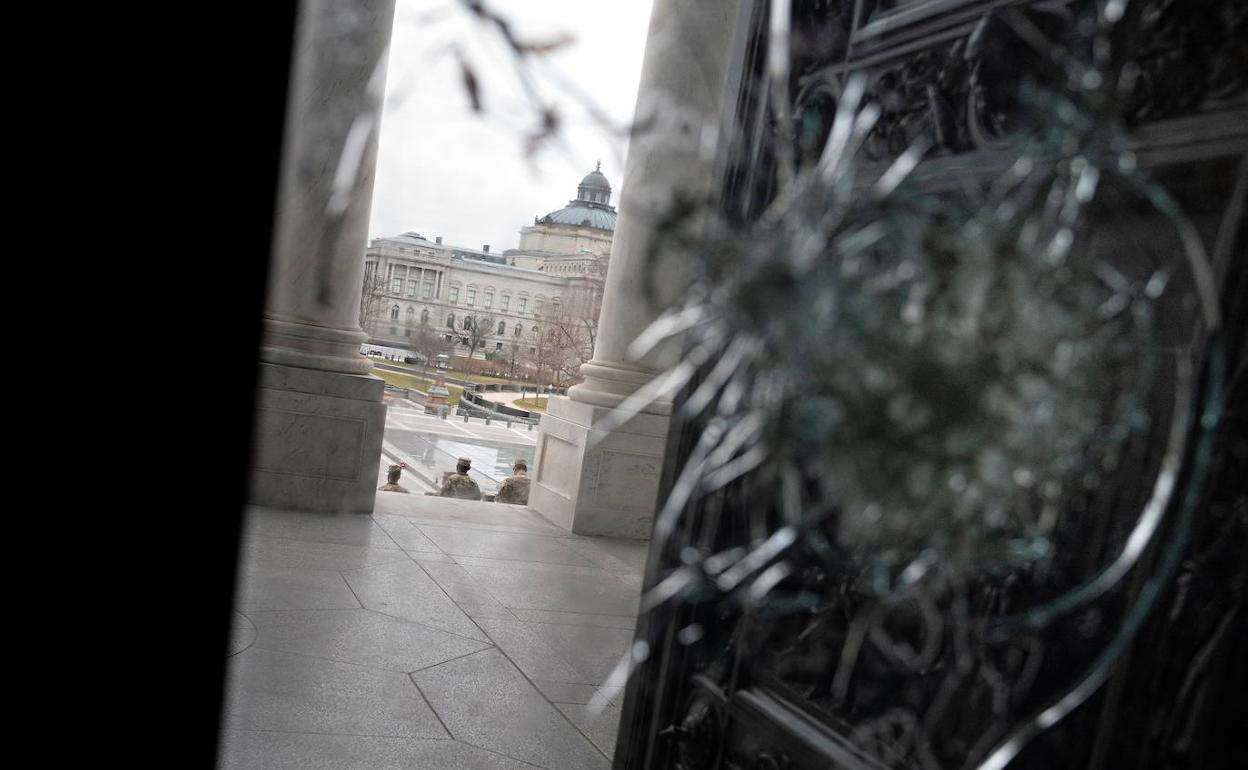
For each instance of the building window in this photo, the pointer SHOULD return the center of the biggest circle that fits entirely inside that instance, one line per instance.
(394, 313)
(498, 346)
(411, 288)
(424, 317)
(472, 297)
(504, 301)
(537, 307)
(411, 313)
(502, 327)
(407, 332)
(454, 294)
(396, 286)
(535, 330)
(467, 322)
(428, 290)
(450, 320)
(489, 299)
(517, 330)
(523, 302)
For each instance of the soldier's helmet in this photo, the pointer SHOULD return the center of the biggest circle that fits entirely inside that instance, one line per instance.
(463, 464)
(520, 465)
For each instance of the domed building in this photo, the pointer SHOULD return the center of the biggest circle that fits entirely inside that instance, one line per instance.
(574, 240)
(514, 300)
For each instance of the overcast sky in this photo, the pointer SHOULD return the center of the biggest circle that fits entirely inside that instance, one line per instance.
(444, 170)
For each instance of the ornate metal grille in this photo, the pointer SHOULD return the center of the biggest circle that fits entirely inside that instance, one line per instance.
(818, 668)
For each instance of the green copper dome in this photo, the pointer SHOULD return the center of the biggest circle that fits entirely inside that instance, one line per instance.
(591, 208)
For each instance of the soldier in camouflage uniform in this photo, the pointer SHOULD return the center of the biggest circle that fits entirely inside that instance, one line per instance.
(515, 488)
(459, 485)
(392, 479)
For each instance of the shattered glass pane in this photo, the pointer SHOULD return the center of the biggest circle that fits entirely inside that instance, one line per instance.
(951, 429)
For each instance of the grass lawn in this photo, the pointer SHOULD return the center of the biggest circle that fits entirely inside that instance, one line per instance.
(408, 381)
(533, 404)
(452, 371)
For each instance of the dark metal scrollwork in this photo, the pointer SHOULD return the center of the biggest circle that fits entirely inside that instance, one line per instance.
(963, 95)
(699, 733)
(915, 681)
(1190, 52)
(821, 36)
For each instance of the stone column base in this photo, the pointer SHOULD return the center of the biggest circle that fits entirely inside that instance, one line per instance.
(317, 440)
(611, 489)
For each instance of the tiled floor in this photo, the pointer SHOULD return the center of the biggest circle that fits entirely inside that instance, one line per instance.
(434, 634)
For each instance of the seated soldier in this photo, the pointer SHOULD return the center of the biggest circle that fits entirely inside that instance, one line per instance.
(392, 479)
(459, 485)
(515, 488)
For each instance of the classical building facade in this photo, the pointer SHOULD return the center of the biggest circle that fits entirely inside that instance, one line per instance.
(546, 292)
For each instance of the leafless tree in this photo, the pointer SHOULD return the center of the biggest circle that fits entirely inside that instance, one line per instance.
(427, 342)
(478, 330)
(545, 356)
(511, 358)
(574, 321)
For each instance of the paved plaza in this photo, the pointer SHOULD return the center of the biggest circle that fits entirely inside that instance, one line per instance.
(435, 633)
(430, 445)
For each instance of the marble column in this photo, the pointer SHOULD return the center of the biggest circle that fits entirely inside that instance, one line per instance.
(612, 487)
(317, 441)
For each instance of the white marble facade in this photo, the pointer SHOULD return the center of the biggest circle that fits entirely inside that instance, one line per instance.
(543, 242)
(441, 285)
(424, 281)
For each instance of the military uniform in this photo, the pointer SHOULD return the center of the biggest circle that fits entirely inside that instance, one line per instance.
(459, 485)
(392, 480)
(515, 490)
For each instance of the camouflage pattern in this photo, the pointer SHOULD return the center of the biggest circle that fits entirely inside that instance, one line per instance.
(392, 479)
(515, 490)
(460, 486)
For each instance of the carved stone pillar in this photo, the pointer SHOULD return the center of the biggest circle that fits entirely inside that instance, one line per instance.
(611, 489)
(320, 413)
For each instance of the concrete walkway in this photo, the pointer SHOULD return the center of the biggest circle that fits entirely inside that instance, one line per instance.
(435, 633)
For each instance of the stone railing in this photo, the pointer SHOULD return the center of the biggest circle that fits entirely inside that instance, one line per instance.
(411, 394)
(474, 405)
(500, 387)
